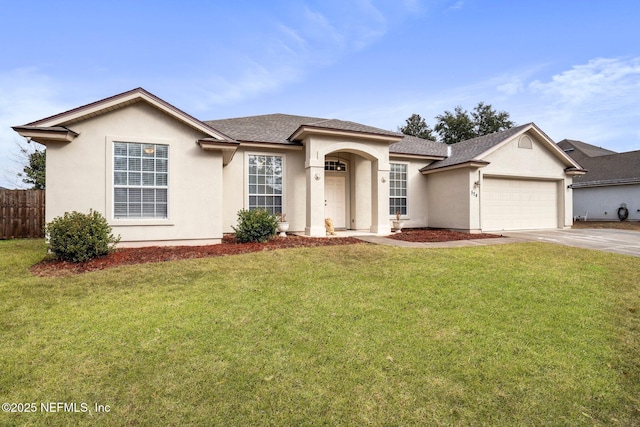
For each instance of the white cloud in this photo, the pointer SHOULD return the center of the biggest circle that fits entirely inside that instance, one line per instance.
(599, 79)
(597, 102)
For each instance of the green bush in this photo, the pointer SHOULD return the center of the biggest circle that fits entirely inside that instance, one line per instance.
(256, 225)
(79, 237)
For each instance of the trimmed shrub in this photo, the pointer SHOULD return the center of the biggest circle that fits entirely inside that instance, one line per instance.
(79, 237)
(256, 225)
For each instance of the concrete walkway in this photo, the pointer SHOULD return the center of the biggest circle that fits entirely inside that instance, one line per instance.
(624, 242)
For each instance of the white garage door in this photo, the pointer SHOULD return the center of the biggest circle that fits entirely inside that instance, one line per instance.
(518, 204)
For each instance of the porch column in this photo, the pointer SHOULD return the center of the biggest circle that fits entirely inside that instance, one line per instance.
(315, 201)
(380, 198)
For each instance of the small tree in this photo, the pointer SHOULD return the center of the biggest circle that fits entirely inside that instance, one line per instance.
(35, 172)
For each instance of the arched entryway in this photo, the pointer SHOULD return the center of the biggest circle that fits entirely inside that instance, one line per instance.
(356, 196)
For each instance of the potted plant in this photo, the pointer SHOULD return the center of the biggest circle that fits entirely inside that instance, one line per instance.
(283, 225)
(397, 224)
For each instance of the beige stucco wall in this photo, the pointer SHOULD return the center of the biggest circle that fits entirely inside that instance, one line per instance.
(535, 163)
(80, 176)
(448, 199)
(236, 186)
(360, 193)
(418, 202)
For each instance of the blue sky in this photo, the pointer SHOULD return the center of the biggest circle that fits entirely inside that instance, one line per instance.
(573, 68)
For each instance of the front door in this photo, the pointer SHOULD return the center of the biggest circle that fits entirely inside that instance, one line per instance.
(335, 200)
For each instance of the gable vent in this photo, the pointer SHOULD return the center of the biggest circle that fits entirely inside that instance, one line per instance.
(525, 142)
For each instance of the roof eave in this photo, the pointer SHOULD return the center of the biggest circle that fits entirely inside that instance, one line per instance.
(472, 164)
(416, 156)
(275, 145)
(228, 148)
(303, 131)
(606, 183)
(46, 135)
(571, 171)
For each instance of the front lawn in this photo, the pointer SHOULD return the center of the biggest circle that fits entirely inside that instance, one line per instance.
(517, 334)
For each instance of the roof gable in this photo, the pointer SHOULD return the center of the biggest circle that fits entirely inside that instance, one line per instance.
(94, 109)
(476, 149)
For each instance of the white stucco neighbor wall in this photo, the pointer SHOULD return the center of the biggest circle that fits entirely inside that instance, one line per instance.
(80, 177)
(602, 203)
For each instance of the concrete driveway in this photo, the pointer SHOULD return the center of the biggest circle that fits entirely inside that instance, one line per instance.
(618, 241)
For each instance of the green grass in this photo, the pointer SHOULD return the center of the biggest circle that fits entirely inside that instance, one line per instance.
(519, 334)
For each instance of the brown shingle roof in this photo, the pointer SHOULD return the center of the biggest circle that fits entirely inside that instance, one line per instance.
(277, 128)
(471, 149)
(603, 169)
(586, 149)
(413, 145)
(269, 128)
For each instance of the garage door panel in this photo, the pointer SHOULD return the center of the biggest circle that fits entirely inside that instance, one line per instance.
(518, 204)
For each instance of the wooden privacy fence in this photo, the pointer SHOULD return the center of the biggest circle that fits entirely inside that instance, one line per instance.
(21, 214)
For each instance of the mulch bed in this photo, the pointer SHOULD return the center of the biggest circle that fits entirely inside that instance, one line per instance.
(437, 235)
(128, 256)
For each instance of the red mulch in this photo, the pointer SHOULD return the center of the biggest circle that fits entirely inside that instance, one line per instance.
(437, 235)
(127, 256)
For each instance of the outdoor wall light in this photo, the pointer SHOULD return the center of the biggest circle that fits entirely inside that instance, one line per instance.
(383, 179)
(317, 177)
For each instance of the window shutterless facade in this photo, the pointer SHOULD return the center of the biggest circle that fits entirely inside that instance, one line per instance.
(398, 189)
(265, 183)
(140, 180)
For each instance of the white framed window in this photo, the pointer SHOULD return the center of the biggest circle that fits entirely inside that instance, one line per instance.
(265, 177)
(140, 180)
(398, 189)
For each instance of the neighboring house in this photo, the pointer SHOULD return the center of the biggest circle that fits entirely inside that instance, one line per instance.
(612, 180)
(160, 176)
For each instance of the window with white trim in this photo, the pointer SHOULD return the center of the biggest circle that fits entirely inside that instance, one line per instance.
(265, 183)
(140, 180)
(398, 189)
